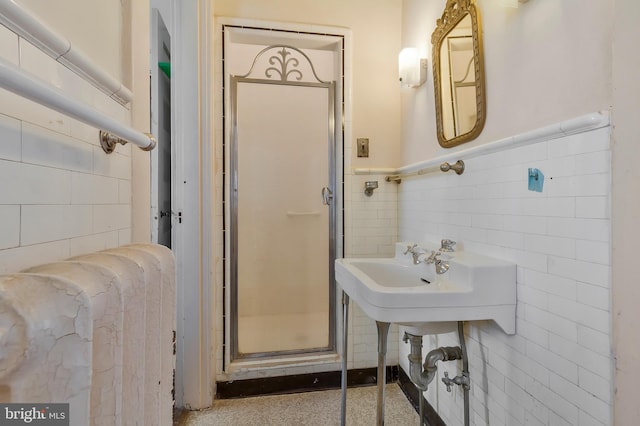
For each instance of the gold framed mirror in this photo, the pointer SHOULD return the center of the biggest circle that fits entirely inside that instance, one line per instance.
(458, 74)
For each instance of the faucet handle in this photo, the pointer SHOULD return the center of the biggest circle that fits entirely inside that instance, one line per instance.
(410, 248)
(433, 257)
(447, 245)
(447, 381)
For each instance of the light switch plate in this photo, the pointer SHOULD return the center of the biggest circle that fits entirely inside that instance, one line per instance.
(363, 147)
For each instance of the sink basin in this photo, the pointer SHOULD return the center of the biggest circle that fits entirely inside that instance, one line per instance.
(395, 290)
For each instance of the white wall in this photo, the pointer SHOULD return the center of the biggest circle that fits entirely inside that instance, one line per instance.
(376, 42)
(626, 209)
(93, 27)
(61, 194)
(545, 62)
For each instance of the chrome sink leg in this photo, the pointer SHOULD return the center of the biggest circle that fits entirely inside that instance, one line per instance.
(383, 332)
(345, 324)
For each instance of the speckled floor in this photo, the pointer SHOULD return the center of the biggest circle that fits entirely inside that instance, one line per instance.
(321, 408)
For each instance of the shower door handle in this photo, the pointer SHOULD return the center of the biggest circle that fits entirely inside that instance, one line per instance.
(327, 196)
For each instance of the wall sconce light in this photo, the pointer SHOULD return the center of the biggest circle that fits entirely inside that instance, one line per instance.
(412, 68)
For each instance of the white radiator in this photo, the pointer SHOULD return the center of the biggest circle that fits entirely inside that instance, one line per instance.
(95, 331)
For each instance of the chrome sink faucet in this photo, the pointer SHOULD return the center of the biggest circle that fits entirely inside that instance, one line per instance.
(446, 245)
(441, 265)
(416, 252)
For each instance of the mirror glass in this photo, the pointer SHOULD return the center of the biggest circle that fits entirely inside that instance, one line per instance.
(458, 74)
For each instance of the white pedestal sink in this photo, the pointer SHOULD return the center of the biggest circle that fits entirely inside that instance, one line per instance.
(395, 290)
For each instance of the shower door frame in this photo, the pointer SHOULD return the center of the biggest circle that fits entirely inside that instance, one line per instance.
(332, 206)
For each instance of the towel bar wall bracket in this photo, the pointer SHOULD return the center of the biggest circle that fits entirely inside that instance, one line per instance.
(109, 141)
(457, 167)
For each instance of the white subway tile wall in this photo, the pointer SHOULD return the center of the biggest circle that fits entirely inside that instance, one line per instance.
(61, 195)
(371, 232)
(9, 45)
(558, 368)
(9, 226)
(11, 148)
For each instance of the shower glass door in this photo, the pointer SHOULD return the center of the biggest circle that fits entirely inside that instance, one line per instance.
(281, 236)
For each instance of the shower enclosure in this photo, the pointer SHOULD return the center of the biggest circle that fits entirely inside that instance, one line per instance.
(282, 223)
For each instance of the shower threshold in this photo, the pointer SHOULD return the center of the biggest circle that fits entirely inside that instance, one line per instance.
(314, 381)
(278, 363)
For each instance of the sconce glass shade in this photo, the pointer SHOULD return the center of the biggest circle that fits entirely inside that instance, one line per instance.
(411, 68)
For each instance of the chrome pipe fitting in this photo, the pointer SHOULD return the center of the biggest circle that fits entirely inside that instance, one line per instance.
(422, 375)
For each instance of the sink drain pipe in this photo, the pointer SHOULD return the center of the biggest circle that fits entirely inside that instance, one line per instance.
(423, 374)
